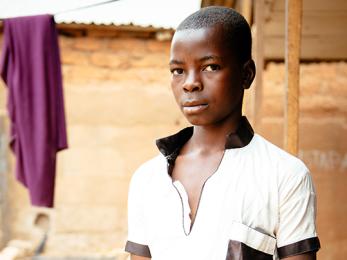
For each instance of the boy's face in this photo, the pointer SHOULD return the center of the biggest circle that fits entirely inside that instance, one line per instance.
(206, 79)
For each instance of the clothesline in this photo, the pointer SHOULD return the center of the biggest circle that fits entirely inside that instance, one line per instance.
(79, 8)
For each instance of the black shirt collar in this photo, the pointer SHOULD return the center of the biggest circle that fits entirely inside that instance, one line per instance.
(170, 146)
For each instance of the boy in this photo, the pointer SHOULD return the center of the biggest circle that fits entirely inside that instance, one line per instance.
(219, 191)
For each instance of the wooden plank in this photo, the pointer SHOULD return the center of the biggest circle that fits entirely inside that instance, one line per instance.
(309, 5)
(313, 23)
(229, 3)
(312, 48)
(323, 31)
(257, 92)
(324, 5)
(246, 10)
(94, 27)
(292, 75)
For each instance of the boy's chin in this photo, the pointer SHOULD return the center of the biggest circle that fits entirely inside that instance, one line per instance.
(198, 121)
(207, 122)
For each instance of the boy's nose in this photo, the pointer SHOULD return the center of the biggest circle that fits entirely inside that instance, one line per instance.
(192, 83)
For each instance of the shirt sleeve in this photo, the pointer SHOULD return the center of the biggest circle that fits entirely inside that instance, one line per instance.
(296, 232)
(137, 241)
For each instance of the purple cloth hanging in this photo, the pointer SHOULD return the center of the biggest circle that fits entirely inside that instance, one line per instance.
(30, 67)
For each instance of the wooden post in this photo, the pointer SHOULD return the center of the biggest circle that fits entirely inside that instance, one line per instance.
(293, 12)
(257, 92)
(246, 10)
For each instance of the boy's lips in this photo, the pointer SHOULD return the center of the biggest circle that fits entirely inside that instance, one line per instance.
(193, 107)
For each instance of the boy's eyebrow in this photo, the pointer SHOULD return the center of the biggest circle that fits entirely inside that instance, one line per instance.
(210, 57)
(177, 62)
(205, 58)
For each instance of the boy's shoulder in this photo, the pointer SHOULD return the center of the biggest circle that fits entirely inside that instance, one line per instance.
(286, 163)
(270, 147)
(149, 170)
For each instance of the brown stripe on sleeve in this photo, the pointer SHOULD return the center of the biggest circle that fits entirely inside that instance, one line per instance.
(238, 250)
(304, 246)
(137, 249)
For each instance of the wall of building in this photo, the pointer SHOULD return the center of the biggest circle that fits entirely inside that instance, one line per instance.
(118, 101)
(323, 145)
(323, 23)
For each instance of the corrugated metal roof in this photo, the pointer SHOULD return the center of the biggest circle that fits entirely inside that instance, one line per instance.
(156, 13)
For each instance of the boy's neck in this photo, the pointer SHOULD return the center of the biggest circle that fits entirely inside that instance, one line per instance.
(208, 139)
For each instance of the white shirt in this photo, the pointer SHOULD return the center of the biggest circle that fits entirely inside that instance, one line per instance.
(259, 203)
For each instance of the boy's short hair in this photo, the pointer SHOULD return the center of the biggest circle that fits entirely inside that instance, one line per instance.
(236, 28)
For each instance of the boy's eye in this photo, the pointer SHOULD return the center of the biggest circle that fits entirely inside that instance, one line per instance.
(212, 67)
(176, 71)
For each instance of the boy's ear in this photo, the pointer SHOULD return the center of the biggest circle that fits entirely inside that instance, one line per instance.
(248, 73)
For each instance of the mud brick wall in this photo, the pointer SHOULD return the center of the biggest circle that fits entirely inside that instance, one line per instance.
(118, 101)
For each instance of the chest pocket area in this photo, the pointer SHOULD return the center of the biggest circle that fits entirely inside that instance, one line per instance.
(246, 243)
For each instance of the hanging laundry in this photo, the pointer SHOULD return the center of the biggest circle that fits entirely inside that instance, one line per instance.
(30, 67)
